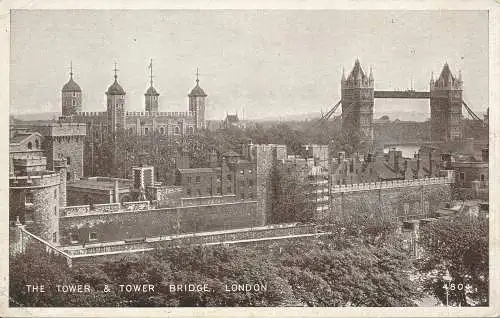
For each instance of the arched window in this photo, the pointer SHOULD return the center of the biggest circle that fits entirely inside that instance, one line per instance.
(482, 177)
(176, 130)
(162, 130)
(30, 145)
(37, 144)
(145, 131)
(191, 130)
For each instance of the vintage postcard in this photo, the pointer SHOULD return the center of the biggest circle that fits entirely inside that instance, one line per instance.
(291, 160)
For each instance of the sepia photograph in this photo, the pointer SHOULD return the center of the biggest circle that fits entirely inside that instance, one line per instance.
(248, 158)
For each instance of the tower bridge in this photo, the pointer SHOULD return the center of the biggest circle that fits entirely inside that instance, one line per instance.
(445, 98)
(402, 94)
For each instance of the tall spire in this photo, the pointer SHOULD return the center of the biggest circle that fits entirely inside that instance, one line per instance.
(197, 74)
(151, 74)
(71, 69)
(343, 74)
(116, 70)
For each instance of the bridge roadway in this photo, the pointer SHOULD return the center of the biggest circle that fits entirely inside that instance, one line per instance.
(402, 94)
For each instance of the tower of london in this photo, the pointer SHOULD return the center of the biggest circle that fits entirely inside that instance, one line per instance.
(118, 118)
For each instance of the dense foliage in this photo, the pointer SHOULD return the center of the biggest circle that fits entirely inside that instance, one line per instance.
(458, 246)
(336, 270)
(114, 155)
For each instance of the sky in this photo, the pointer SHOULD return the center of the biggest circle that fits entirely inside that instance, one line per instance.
(258, 63)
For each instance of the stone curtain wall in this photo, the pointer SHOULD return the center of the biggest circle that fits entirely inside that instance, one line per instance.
(208, 200)
(404, 203)
(117, 226)
(82, 210)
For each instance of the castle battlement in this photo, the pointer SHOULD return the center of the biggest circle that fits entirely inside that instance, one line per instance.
(161, 114)
(27, 161)
(44, 179)
(361, 83)
(62, 129)
(389, 184)
(82, 210)
(92, 114)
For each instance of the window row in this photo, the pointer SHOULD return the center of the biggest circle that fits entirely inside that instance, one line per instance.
(161, 130)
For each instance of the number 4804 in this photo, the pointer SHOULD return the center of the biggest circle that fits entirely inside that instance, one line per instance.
(467, 287)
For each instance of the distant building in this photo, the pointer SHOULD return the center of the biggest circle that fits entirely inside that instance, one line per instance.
(116, 117)
(446, 106)
(470, 172)
(231, 120)
(320, 153)
(234, 175)
(312, 178)
(357, 92)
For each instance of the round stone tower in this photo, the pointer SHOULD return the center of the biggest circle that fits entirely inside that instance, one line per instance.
(197, 99)
(34, 197)
(71, 98)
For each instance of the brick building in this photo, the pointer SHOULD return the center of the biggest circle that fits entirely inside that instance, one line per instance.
(235, 174)
(311, 179)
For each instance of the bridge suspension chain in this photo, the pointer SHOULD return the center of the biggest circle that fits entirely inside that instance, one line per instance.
(472, 114)
(329, 114)
(331, 111)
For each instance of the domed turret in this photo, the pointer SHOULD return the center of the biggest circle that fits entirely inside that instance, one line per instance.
(115, 88)
(151, 96)
(197, 91)
(71, 96)
(71, 86)
(116, 105)
(197, 103)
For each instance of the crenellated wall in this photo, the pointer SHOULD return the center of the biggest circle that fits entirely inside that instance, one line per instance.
(402, 203)
(219, 199)
(82, 210)
(388, 184)
(161, 114)
(35, 201)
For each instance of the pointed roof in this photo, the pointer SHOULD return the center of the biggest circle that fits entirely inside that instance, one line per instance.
(115, 88)
(71, 85)
(197, 91)
(446, 75)
(152, 91)
(357, 72)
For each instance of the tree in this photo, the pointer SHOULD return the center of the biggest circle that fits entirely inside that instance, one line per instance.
(356, 274)
(458, 245)
(292, 199)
